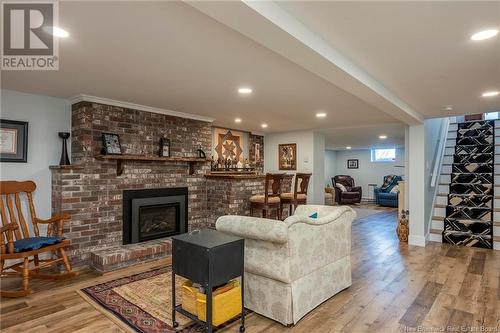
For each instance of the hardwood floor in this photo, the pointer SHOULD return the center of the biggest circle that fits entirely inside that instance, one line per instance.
(395, 288)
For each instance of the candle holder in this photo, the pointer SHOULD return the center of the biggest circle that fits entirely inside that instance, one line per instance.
(64, 154)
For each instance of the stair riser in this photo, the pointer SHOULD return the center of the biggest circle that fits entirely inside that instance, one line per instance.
(480, 140)
(472, 178)
(471, 189)
(484, 201)
(474, 158)
(476, 125)
(467, 240)
(466, 226)
(448, 168)
(467, 150)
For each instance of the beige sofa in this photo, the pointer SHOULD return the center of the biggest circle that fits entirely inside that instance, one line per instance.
(293, 266)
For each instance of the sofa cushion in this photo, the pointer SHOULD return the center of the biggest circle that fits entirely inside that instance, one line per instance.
(289, 196)
(387, 196)
(262, 198)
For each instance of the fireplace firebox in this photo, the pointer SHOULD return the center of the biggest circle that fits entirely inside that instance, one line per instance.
(154, 213)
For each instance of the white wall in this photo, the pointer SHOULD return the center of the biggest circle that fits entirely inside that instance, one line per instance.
(307, 155)
(416, 184)
(433, 130)
(330, 166)
(424, 141)
(46, 117)
(319, 169)
(369, 172)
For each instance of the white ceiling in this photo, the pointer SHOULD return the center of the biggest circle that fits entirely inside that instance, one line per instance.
(371, 65)
(169, 55)
(419, 50)
(365, 137)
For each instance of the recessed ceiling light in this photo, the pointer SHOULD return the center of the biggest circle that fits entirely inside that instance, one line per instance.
(490, 93)
(245, 90)
(320, 115)
(448, 108)
(263, 125)
(485, 34)
(348, 147)
(237, 120)
(57, 32)
(383, 137)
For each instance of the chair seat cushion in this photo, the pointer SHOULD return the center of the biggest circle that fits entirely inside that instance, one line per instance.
(35, 243)
(390, 195)
(350, 195)
(289, 196)
(262, 198)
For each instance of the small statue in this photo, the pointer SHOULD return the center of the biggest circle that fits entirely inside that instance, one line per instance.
(201, 153)
(403, 228)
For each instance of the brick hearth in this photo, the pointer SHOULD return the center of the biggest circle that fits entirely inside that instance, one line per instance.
(116, 257)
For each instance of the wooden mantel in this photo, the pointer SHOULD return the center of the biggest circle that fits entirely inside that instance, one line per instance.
(122, 158)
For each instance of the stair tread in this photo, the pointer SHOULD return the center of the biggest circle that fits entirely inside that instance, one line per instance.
(450, 164)
(466, 184)
(467, 173)
(444, 206)
(438, 218)
(495, 224)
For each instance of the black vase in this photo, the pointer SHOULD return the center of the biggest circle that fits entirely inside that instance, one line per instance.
(64, 154)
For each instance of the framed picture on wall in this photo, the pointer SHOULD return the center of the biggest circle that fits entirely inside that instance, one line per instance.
(164, 147)
(287, 156)
(13, 141)
(353, 164)
(111, 144)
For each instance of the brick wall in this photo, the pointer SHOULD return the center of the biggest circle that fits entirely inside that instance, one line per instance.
(91, 191)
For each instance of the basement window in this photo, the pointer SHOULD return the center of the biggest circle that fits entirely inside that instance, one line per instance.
(383, 155)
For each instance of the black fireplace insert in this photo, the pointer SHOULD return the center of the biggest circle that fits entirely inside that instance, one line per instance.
(154, 213)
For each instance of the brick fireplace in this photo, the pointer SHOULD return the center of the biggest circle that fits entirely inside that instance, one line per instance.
(92, 192)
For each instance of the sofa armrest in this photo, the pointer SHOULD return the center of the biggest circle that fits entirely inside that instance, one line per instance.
(253, 228)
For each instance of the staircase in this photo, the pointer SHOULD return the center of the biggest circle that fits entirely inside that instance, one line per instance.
(464, 209)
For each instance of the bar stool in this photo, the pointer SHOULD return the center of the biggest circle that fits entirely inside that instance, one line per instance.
(299, 195)
(271, 198)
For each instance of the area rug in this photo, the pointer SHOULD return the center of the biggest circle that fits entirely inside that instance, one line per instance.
(141, 302)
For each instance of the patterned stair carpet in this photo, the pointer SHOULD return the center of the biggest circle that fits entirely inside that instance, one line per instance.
(469, 213)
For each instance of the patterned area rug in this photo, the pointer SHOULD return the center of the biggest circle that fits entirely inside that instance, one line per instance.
(141, 302)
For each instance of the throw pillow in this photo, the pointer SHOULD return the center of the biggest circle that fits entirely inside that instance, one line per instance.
(395, 189)
(341, 187)
(314, 215)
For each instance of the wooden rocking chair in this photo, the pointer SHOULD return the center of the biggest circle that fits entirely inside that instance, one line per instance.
(14, 224)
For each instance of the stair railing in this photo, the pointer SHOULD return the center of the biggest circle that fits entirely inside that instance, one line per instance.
(438, 158)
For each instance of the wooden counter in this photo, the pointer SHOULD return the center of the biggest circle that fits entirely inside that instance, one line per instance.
(234, 175)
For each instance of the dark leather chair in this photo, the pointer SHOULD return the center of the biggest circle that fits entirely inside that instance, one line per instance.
(352, 194)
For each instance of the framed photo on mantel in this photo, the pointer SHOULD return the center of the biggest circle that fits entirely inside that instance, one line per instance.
(111, 144)
(13, 141)
(164, 147)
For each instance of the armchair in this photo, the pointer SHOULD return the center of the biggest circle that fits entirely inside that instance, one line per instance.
(351, 195)
(383, 194)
